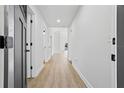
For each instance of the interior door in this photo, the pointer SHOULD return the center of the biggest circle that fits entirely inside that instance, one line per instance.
(50, 46)
(5, 47)
(20, 46)
(120, 46)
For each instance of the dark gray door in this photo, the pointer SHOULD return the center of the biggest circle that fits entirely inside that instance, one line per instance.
(120, 46)
(20, 46)
(5, 47)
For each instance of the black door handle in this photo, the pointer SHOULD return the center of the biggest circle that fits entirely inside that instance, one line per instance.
(113, 40)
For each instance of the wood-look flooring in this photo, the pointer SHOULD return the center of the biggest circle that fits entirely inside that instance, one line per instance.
(57, 73)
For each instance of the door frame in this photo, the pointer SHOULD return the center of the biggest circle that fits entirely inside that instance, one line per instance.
(31, 37)
(20, 46)
(115, 46)
(5, 49)
(51, 42)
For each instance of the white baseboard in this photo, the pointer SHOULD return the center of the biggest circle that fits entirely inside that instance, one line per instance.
(36, 73)
(87, 83)
(47, 59)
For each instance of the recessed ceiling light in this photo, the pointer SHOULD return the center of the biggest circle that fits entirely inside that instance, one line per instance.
(58, 20)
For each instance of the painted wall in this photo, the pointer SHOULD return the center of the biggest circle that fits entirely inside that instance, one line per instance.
(1, 50)
(37, 39)
(90, 44)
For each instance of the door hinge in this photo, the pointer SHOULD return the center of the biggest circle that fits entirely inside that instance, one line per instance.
(31, 44)
(26, 44)
(31, 67)
(113, 40)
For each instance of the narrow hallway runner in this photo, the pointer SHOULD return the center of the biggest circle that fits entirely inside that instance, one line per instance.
(57, 73)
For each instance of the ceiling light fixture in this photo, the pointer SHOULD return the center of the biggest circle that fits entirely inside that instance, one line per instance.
(58, 20)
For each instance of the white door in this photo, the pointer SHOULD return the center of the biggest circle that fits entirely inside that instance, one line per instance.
(51, 46)
(1, 50)
(56, 42)
(44, 46)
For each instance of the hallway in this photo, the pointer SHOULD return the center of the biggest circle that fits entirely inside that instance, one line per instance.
(57, 73)
(33, 40)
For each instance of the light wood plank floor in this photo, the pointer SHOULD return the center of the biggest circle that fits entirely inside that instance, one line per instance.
(57, 73)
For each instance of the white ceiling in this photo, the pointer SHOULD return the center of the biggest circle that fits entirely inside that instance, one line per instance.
(65, 13)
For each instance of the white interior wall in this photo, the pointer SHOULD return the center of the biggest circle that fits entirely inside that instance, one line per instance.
(37, 39)
(1, 50)
(90, 44)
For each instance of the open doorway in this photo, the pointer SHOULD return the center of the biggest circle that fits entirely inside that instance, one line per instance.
(59, 40)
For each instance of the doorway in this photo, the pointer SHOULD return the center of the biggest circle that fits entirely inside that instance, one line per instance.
(59, 39)
(13, 50)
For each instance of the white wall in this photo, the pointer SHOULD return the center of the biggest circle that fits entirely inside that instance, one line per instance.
(90, 44)
(59, 38)
(1, 50)
(37, 39)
